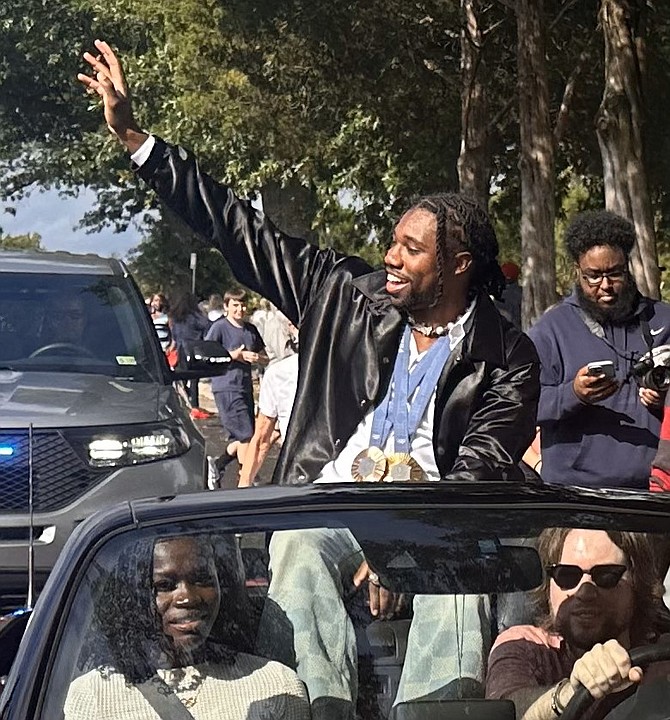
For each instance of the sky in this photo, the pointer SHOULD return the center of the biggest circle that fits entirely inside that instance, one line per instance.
(55, 219)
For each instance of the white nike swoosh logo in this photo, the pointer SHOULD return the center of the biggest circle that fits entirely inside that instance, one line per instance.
(655, 332)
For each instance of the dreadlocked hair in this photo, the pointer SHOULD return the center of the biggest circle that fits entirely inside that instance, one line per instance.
(462, 224)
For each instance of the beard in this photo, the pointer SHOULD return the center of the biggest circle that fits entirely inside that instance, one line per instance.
(583, 624)
(620, 312)
(416, 300)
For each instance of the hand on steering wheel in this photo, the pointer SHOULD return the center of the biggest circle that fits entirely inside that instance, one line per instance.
(638, 658)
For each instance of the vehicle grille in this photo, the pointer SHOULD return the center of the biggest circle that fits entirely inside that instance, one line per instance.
(60, 476)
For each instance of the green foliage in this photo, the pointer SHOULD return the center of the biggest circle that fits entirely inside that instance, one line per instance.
(31, 241)
(161, 262)
(358, 99)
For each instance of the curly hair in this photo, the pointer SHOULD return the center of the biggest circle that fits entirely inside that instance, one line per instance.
(462, 224)
(126, 631)
(598, 227)
(642, 561)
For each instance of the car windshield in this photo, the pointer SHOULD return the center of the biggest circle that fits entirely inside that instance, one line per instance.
(235, 612)
(72, 323)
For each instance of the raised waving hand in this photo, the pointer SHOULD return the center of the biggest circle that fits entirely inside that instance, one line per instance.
(109, 82)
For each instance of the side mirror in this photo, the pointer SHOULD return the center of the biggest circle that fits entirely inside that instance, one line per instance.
(206, 358)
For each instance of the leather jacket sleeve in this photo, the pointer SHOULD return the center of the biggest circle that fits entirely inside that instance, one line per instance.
(504, 424)
(288, 271)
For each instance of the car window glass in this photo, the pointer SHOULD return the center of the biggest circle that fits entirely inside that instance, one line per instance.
(73, 323)
(443, 567)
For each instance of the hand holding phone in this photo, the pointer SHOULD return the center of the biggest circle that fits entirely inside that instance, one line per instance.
(595, 382)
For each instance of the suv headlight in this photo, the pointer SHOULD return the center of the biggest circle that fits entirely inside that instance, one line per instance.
(116, 447)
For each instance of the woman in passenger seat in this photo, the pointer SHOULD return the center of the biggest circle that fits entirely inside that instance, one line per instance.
(174, 619)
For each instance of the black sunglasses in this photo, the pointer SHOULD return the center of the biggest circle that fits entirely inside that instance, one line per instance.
(568, 576)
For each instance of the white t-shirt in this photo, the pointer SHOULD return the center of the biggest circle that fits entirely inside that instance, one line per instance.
(278, 391)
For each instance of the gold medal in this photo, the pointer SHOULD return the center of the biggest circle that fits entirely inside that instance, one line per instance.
(402, 467)
(369, 465)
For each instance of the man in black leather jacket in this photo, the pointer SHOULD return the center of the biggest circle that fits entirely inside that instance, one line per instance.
(357, 327)
(351, 319)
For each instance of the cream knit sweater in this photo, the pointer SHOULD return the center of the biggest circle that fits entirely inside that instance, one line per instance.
(251, 688)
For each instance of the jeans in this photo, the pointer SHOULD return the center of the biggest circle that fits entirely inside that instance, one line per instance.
(311, 572)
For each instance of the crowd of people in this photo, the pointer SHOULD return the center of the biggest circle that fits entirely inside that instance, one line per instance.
(254, 395)
(414, 373)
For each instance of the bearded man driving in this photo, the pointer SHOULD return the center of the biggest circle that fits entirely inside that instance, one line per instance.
(600, 598)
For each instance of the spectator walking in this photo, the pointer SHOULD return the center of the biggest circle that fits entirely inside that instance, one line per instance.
(188, 325)
(275, 403)
(233, 390)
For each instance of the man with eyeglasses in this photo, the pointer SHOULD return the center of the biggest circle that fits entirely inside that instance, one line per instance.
(599, 599)
(599, 426)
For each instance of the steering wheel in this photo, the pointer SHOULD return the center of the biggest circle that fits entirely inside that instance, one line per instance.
(639, 657)
(74, 349)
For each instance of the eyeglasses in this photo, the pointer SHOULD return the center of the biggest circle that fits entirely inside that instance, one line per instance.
(568, 576)
(596, 278)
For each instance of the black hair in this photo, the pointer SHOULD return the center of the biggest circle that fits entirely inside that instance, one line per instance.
(184, 306)
(126, 634)
(462, 224)
(598, 227)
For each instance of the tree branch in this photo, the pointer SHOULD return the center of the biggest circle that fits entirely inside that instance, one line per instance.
(569, 92)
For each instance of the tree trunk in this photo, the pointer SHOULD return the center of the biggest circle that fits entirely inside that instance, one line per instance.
(536, 164)
(619, 129)
(474, 164)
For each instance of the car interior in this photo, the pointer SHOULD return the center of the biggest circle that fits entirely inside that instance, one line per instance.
(37, 317)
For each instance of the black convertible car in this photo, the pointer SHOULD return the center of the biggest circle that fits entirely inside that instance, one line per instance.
(123, 567)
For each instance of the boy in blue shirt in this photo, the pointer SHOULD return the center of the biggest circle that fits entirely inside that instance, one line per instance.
(233, 391)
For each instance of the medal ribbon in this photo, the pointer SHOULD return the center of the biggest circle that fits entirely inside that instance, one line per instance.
(397, 412)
